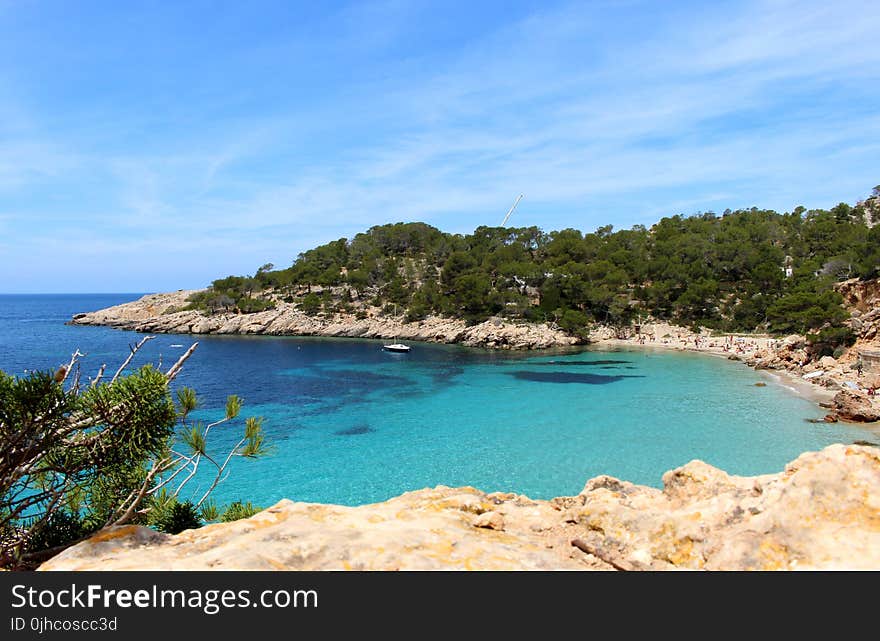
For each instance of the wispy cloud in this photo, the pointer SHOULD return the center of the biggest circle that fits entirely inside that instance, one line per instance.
(600, 112)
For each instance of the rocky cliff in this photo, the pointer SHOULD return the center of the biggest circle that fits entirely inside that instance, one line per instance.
(156, 313)
(821, 512)
(841, 375)
(862, 299)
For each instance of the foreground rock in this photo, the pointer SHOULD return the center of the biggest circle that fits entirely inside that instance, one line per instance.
(157, 313)
(822, 512)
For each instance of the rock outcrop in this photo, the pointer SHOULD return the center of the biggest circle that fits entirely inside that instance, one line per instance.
(821, 512)
(157, 313)
(862, 299)
(851, 405)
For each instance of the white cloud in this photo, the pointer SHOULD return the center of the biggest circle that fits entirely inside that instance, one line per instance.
(761, 103)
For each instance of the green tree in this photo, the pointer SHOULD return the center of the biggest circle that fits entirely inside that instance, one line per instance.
(77, 458)
(310, 304)
(805, 311)
(743, 270)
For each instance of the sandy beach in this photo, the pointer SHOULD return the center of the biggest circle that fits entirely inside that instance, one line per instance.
(789, 380)
(742, 347)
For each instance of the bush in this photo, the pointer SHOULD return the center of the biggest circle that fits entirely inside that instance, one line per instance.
(803, 311)
(61, 527)
(238, 510)
(828, 341)
(310, 304)
(416, 312)
(575, 323)
(175, 516)
(254, 305)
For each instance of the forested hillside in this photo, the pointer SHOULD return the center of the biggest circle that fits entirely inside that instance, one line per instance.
(737, 271)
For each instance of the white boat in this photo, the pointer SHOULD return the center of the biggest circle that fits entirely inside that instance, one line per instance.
(396, 347)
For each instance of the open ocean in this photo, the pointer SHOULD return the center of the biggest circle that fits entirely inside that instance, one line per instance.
(352, 424)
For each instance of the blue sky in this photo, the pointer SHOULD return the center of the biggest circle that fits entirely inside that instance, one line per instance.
(150, 146)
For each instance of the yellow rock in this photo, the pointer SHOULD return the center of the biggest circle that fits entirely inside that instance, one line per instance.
(821, 512)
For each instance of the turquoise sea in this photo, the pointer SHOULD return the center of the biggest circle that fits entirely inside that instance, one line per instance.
(352, 424)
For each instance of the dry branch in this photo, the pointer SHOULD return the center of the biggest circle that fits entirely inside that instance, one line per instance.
(175, 369)
(614, 561)
(134, 351)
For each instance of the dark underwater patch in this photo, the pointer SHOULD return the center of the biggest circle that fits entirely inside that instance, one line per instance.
(569, 377)
(332, 389)
(355, 430)
(598, 363)
(441, 375)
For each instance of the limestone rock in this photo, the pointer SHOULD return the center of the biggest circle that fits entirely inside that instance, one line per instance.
(821, 512)
(792, 342)
(851, 405)
(827, 362)
(157, 313)
(425, 530)
(707, 519)
(491, 520)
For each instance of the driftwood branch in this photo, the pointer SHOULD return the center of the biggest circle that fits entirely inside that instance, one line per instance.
(616, 562)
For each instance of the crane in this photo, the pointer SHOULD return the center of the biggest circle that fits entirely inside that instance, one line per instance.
(510, 211)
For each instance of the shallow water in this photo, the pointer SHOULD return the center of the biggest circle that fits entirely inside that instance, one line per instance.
(352, 424)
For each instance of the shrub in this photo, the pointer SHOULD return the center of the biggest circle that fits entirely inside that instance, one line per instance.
(238, 510)
(61, 526)
(310, 304)
(254, 305)
(416, 312)
(828, 341)
(175, 516)
(575, 323)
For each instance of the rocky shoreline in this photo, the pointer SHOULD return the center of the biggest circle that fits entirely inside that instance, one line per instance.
(161, 313)
(156, 313)
(821, 512)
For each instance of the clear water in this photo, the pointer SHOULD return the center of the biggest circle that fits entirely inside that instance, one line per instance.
(352, 424)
